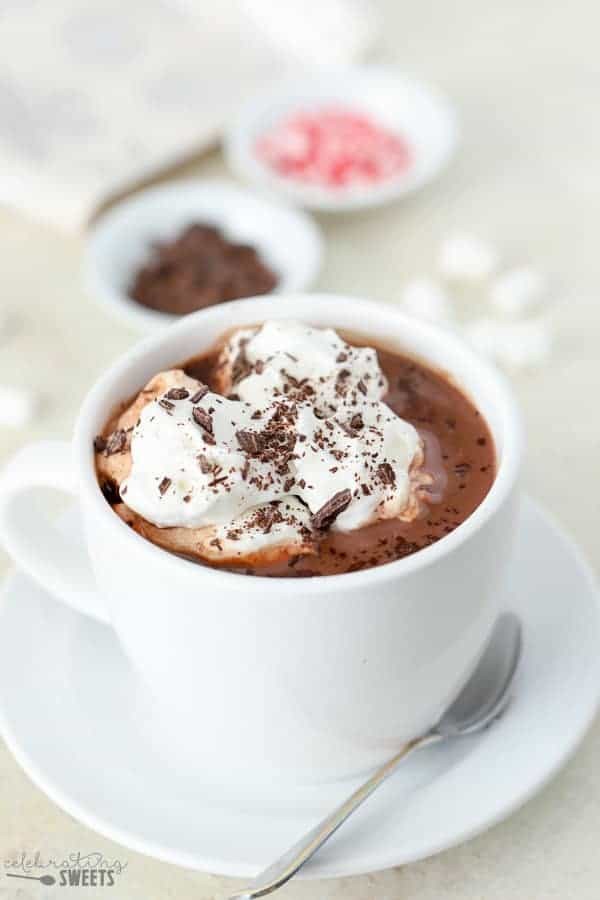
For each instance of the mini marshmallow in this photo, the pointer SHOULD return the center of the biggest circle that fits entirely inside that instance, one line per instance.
(465, 257)
(514, 345)
(426, 299)
(518, 291)
(17, 406)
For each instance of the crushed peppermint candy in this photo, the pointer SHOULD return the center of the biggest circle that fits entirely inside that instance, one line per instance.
(334, 148)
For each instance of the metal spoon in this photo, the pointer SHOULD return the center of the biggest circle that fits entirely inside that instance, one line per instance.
(44, 879)
(483, 698)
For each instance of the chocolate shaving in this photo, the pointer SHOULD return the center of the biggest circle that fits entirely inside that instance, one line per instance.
(166, 404)
(386, 473)
(462, 468)
(328, 513)
(362, 387)
(177, 394)
(110, 489)
(99, 443)
(251, 442)
(203, 419)
(268, 519)
(341, 357)
(164, 485)
(241, 367)
(200, 393)
(266, 516)
(205, 464)
(352, 427)
(116, 442)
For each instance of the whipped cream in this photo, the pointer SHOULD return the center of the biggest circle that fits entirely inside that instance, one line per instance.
(275, 470)
(264, 528)
(190, 474)
(294, 360)
(369, 454)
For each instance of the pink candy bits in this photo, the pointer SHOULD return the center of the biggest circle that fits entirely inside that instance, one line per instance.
(334, 148)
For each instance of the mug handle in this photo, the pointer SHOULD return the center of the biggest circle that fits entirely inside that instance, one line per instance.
(38, 547)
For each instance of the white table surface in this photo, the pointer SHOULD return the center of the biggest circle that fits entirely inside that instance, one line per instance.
(525, 77)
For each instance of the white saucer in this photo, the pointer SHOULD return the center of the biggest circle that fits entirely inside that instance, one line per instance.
(287, 239)
(413, 110)
(69, 708)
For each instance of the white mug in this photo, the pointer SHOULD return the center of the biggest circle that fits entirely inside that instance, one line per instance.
(308, 678)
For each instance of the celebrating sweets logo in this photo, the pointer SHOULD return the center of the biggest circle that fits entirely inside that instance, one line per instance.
(74, 870)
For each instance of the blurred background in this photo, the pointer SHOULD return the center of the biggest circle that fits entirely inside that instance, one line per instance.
(98, 99)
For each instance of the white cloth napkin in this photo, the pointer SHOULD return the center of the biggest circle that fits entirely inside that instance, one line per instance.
(96, 96)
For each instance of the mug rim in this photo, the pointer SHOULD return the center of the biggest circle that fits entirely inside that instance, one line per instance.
(504, 481)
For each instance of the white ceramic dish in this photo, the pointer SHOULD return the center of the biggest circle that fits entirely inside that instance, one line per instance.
(416, 112)
(287, 239)
(73, 715)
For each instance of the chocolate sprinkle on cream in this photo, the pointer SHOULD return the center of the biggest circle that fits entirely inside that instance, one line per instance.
(326, 516)
(205, 464)
(251, 442)
(166, 404)
(386, 473)
(200, 393)
(203, 418)
(164, 485)
(177, 394)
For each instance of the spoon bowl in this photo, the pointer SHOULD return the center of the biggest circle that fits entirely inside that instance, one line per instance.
(486, 693)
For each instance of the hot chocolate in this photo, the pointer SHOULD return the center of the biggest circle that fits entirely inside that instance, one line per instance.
(291, 451)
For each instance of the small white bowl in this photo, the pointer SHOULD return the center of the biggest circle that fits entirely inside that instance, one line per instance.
(121, 241)
(413, 111)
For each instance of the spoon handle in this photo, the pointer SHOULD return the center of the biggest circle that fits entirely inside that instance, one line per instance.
(293, 859)
(29, 877)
